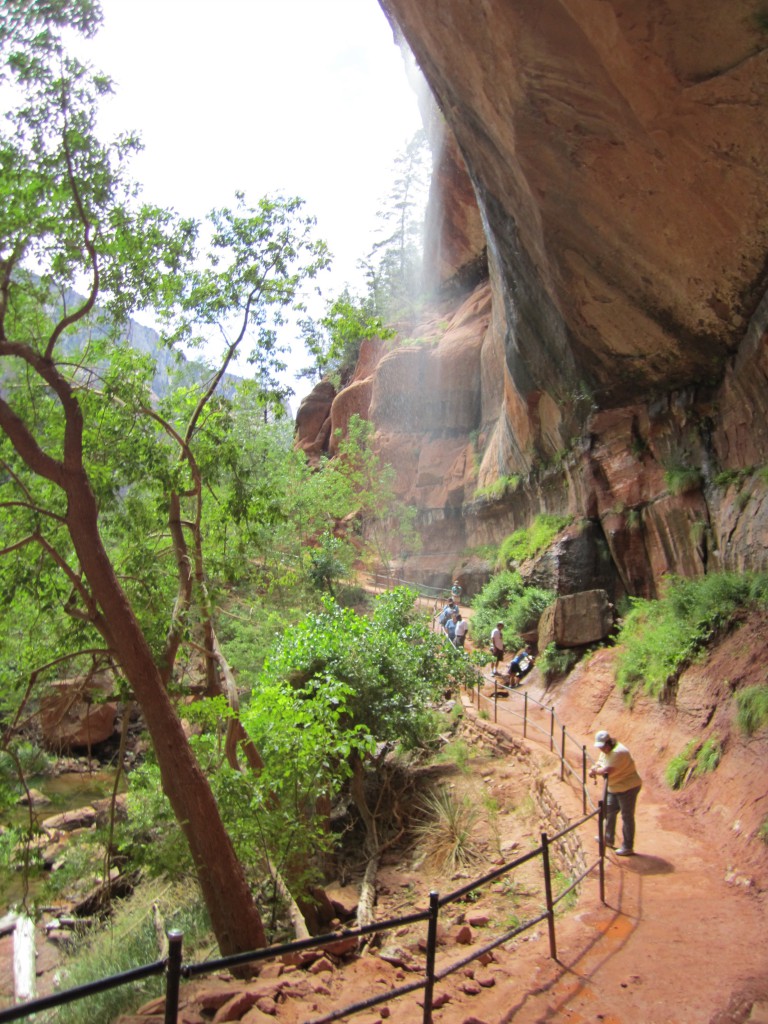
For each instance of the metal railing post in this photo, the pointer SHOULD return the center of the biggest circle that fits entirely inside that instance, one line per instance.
(495, 700)
(548, 893)
(173, 976)
(601, 841)
(562, 755)
(429, 970)
(525, 715)
(583, 779)
(552, 729)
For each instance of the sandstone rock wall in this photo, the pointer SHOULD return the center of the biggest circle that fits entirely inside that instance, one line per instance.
(614, 364)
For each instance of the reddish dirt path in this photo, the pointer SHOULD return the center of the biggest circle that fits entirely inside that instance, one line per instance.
(683, 938)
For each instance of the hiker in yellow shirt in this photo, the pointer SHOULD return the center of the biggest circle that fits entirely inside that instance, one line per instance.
(624, 784)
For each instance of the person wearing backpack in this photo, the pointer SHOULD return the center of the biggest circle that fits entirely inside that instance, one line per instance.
(521, 665)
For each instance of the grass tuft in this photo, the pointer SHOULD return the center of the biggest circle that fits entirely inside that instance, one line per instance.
(445, 833)
(555, 662)
(682, 479)
(129, 940)
(676, 772)
(526, 543)
(708, 758)
(752, 704)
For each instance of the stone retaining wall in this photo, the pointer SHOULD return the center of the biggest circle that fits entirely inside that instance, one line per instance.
(567, 854)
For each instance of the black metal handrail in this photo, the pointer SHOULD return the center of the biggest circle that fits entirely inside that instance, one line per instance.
(554, 726)
(175, 969)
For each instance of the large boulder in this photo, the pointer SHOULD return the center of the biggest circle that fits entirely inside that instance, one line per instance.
(578, 560)
(313, 421)
(576, 620)
(76, 715)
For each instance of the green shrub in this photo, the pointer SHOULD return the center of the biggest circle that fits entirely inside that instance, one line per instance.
(693, 760)
(682, 479)
(506, 598)
(557, 661)
(659, 638)
(708, 758)
(752, 704)
(499, 488)
(762, 832)
(151, 838)
(526, 543)
(27, 757)
(728, 477)
(677, 770)
(456, 752)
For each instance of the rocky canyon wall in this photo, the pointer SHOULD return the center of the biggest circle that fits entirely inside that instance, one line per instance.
(600, 233)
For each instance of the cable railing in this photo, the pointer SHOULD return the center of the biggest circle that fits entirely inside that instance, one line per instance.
(175, 969)
(386, 581)
(548, 724)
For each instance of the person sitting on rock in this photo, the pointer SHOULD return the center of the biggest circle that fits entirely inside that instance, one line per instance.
(521, 665)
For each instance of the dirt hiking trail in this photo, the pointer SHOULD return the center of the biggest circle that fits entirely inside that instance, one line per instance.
(683, 938)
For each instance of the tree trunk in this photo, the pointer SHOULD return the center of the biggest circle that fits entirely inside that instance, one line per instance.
(234, 917)
(372, 848)
(367, 901)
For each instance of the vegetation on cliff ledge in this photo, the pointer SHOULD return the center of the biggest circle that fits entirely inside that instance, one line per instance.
(659, 638)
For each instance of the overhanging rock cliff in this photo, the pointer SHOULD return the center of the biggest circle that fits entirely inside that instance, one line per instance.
(614, 364)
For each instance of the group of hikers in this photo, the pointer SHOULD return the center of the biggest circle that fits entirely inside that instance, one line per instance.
(455, 626)
(615, 762)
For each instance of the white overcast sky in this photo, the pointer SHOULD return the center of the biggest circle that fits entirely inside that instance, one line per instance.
(301, 97)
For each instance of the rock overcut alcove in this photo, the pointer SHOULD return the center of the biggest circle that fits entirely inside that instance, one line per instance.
(600, 238)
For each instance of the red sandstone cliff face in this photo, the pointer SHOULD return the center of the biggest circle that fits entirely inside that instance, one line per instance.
(616, 361)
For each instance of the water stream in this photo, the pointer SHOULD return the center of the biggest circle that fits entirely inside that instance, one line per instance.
(66, 792)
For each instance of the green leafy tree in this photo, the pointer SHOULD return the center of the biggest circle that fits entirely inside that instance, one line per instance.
(103, 493)
(508, 599)
(370, 678)
(334, 339)
(393, 266)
